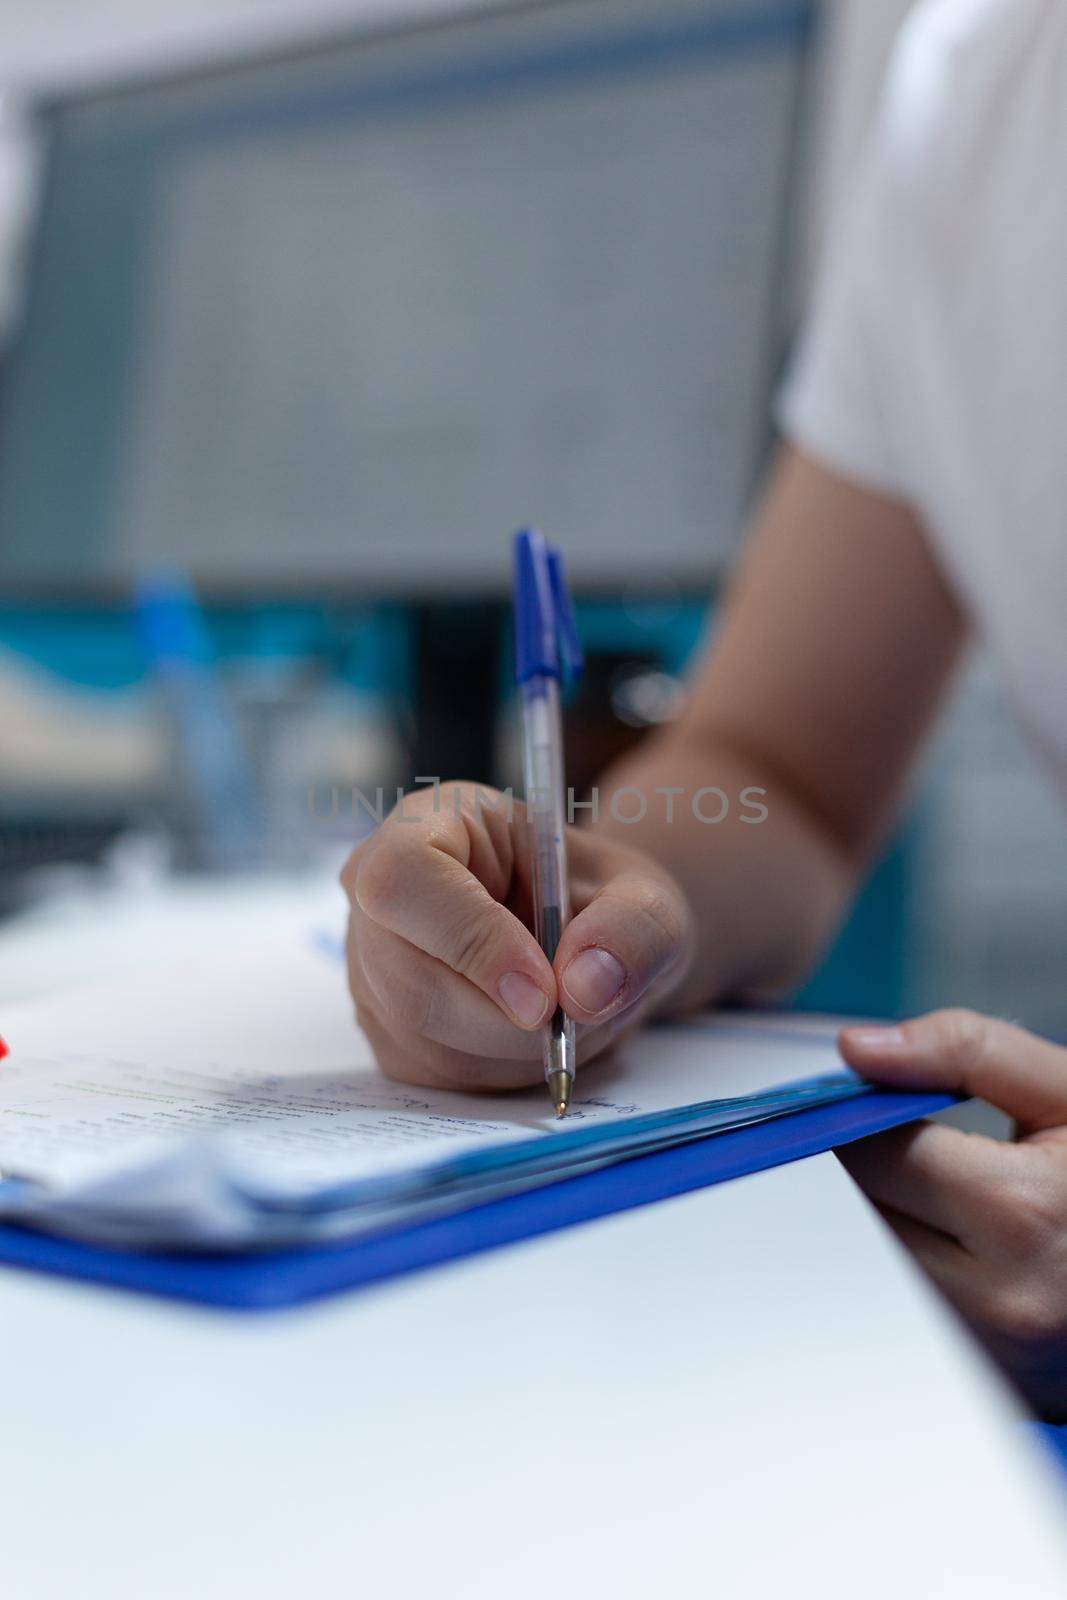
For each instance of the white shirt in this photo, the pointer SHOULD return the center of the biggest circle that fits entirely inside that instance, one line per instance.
(934, 367)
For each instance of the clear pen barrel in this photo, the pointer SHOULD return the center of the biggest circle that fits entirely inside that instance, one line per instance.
(546, 817)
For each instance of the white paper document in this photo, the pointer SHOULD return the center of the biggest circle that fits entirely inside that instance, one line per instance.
(236, 1103)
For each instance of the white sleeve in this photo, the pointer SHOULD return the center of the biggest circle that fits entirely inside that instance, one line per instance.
(842, 398)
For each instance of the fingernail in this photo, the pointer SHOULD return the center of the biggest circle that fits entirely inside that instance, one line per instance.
(593, 980)
(877, 1039)
(527, 1002)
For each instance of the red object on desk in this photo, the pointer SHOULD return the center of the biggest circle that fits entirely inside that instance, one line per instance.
(4, 1051)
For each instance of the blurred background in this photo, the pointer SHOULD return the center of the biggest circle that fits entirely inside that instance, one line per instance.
(303, 309)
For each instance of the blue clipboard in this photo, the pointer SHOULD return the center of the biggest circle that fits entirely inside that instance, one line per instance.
(272, 1280)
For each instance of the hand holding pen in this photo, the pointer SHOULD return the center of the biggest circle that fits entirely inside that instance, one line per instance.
(452, 984)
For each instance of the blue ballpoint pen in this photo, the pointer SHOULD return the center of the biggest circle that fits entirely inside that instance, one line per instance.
(547, 653)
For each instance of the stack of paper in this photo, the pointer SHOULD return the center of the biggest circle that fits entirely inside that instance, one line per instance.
(238, 1106)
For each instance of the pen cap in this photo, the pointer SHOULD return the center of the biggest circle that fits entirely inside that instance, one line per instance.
(546, 634)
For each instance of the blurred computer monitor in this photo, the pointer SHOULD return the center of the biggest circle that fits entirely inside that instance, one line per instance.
(353, 315)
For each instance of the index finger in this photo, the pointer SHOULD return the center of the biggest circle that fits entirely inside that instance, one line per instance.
(417, 882)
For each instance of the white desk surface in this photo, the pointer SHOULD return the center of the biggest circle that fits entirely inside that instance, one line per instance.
(762, 1398)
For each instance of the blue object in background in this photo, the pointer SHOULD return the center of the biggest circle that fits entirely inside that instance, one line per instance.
(100, 647)
(231, 823)
(87, 645)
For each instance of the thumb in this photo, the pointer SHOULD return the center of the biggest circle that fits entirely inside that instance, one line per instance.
(634, 929)
(968, 1054)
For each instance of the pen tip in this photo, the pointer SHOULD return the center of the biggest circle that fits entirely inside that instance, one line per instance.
(559, 1088)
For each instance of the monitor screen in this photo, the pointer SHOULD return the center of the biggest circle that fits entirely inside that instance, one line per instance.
(354, 315)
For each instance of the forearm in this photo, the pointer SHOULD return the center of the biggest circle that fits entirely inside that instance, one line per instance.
(826, 664)
(766, 891)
